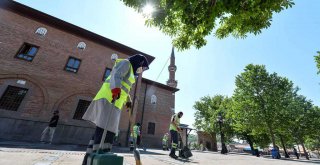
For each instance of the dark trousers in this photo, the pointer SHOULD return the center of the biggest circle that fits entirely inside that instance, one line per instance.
(138, 140)
(95, 143)
(174, 141)
(98, 135)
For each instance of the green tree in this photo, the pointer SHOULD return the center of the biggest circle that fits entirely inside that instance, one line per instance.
(203, 116)
(188, 22)
(317, 59)
(207, 111)
(259, 98)
(305, 120)
(313, 144)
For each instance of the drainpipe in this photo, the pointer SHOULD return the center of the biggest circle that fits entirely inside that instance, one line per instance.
(144, 102)
(132, 108)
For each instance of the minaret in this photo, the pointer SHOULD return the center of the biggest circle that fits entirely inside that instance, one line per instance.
(172, 70)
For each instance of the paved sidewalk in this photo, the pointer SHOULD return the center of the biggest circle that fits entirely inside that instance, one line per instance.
(19, 153)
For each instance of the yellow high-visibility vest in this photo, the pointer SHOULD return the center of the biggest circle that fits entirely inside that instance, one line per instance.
(126, 84)
(176, 120)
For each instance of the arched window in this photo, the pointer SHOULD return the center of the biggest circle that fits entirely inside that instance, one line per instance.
(81, 45)
(41, 31)
(153, 99)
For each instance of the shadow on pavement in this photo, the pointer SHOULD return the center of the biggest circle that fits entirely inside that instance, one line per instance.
(265, 156)
(186, 160)
(295, 160)
(127, 150)
(64, 147)
(38, 145)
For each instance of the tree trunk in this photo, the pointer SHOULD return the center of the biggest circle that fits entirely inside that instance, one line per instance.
(299, 149)
(284, 148)
(214, 140)
(272, 136)
(304, 150)
(250, 143)
(223, 145)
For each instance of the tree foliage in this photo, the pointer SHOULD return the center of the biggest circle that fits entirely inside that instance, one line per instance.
(317, 59)
(304, 119)
(259, 99)
(207, 111)
(264, 108)
(188, 22)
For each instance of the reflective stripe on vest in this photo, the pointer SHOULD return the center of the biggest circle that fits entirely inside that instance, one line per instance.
(165, 139)
(174, 145)
(105, 91)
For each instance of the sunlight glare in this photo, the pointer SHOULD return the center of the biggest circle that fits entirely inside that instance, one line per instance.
(148, 9)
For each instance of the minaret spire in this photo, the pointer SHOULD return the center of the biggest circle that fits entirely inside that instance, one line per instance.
(172, 71)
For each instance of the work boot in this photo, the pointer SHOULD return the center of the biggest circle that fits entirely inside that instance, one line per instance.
(174, 156)
(173, 153)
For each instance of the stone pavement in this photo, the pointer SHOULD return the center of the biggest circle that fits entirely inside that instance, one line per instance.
(45, 154)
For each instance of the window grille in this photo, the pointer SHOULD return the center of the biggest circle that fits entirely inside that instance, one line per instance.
(12, 98)
(81, 109)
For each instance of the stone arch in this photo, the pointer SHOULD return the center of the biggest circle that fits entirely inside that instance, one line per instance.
(33, 81)
(62, 101)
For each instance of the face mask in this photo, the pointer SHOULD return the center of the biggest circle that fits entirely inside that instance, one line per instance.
(139, 70)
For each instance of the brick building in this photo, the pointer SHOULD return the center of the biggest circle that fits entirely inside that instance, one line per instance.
(47, 64)
(208, 141)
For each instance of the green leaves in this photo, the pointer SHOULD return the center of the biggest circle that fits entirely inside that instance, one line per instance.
(263, 108)
(188, 22)
(261, 98)
(317, 60)
(207, 111)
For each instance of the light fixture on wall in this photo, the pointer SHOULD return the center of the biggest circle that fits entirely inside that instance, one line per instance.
(41, 31)
(21, 82)
(114, 57)
(81, 45)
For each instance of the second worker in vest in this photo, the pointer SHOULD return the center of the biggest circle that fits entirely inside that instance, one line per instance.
(135, 137)
(105, 109)
(174, 128)
(165, 142)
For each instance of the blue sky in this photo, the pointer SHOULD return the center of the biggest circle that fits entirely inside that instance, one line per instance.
(287, 47)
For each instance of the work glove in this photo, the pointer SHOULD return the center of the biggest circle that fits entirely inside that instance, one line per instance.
(129, 104)
(115, 94)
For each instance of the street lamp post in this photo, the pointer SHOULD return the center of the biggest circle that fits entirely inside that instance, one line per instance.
(223, 145)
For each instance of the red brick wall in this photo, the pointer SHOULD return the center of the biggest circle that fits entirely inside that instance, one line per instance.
(50, 86)
(159, 113)
(207, 141)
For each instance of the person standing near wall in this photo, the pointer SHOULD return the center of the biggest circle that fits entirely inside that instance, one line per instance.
(50, 129)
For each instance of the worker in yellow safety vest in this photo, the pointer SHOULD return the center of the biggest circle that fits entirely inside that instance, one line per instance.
(105, 109)
(165, 142)
(135, 137)
(174, 128)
